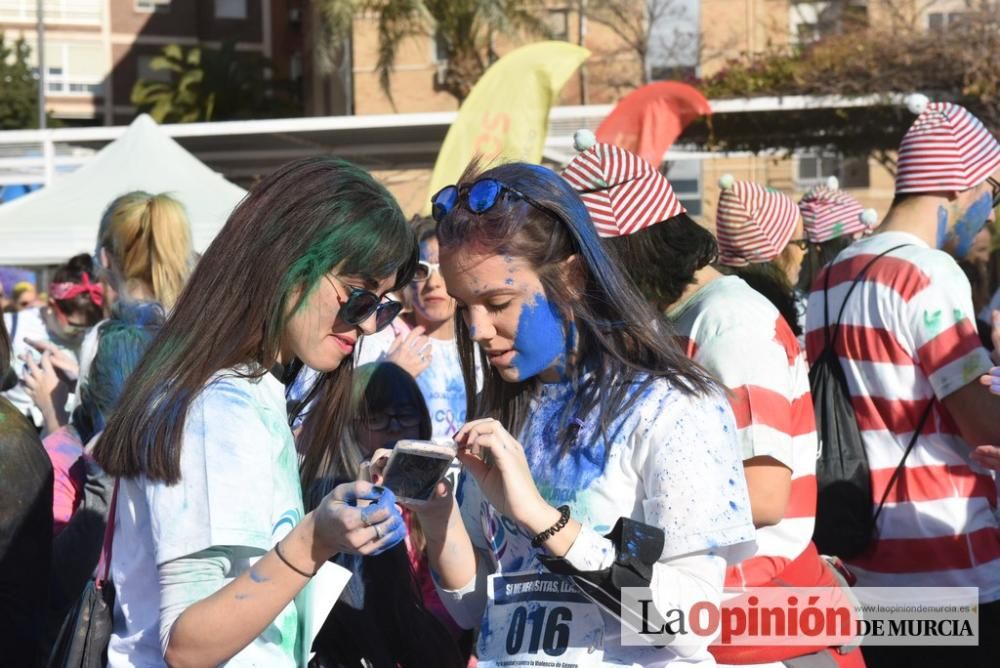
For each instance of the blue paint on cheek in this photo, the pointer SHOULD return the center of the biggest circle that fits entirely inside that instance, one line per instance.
(540, 338)
(472, 331)
(509, 281)
(942, 227)
(971, 222)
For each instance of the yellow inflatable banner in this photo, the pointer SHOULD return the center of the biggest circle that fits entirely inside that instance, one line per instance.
(506, 115)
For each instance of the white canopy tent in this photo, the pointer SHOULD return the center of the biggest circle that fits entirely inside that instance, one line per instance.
(53, 224)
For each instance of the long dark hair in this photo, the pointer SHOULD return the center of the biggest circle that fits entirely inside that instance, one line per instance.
(621, 338)
(662, 259)
(770, 280)
(5, 352)
(294, 226)
(818, 256)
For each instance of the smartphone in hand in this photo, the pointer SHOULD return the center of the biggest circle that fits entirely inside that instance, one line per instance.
(415, 467)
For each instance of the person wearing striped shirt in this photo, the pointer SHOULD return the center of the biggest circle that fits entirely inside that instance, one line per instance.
(741, 338)
(908, 344)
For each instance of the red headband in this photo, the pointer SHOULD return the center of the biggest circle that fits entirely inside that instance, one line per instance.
(63, 291)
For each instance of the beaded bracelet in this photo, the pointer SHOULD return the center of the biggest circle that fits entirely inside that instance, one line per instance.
(552, 530)
(277, 551)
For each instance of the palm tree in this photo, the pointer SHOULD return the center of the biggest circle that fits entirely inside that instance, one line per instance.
(212, 84)
(464, 30)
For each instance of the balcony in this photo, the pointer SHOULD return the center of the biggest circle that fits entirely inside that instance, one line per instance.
(58, 12)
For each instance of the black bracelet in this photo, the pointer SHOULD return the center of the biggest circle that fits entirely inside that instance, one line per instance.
(277, 551)
(554, 529)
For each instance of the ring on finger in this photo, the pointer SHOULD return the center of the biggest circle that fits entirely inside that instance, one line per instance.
(378, 532)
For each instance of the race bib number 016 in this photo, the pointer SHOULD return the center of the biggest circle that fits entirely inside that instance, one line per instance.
(542, 620)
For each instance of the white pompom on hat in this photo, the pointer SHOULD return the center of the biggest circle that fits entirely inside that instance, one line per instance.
(917, 103)
(583, 139)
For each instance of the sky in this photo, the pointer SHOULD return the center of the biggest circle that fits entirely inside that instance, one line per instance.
(679, 27)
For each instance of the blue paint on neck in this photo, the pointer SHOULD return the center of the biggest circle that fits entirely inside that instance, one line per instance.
(540, 340)
(942, 227)
(972, 221)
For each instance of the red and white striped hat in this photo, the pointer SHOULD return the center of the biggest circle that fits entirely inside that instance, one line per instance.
(946, 149)
(622, 192)
(829, 213)
(753, 223)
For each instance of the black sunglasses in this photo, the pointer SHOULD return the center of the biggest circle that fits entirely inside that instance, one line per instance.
(478, 197)
(361, 304)
(995, 185)
(382, 421)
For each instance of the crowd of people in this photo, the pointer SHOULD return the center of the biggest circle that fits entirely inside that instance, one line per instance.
(629, 394)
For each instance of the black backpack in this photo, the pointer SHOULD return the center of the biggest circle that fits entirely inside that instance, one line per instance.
(845, 523)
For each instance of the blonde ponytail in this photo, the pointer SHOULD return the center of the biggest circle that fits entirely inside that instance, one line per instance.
(148, 239)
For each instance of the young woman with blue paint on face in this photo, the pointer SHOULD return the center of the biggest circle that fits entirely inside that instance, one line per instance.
(614, 427)
(212, 542)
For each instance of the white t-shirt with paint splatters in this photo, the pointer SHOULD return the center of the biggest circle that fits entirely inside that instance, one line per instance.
(239, 487)
(659, 459)
(443, 388)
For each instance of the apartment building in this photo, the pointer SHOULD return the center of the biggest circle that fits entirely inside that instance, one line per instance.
(95, 50)
(755, 25)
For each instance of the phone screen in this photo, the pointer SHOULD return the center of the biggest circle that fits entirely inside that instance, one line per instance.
(413, 476)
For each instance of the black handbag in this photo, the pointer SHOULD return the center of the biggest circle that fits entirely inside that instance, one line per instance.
(83, 638)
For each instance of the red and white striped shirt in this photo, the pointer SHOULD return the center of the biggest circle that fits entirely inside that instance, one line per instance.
(738, 335)
(908, 335)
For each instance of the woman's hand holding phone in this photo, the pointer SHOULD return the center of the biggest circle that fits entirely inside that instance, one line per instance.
(343, 524)
(435, 513)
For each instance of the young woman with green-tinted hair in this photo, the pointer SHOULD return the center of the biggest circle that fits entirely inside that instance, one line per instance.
(212, 544)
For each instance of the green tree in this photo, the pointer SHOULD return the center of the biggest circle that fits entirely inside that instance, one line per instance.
(213, 85)
(18, 88)
(464, 30)
(899, 56)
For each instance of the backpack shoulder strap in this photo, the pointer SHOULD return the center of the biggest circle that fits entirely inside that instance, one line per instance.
(906, 453)
(104, 567)
(828, 338)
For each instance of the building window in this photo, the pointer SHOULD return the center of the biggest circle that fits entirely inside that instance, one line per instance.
(938, 21)
(440, 46)
(72, 68)
(685, 177)
(152, 6)
(814, 168)
(812, 20)
(56, 11)
(557, 22)
(230, 9)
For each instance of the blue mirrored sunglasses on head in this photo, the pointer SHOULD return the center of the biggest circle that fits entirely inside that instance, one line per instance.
(479, 197)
